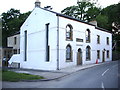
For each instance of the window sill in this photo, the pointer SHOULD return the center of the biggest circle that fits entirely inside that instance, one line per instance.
(87, 41)
(69, 40)
(88, 60)
(69, 61)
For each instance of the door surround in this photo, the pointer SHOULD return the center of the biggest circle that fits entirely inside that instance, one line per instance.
(79, 56)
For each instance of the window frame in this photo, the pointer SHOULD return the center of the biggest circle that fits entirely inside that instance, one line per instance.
(108, 54)
(88, 53)
(69, 53)
(98, 39)
(25, 45)
(98, 54)
(47, 43)
(107, 41)
(70, 32)
(88, 36)
(15, 40)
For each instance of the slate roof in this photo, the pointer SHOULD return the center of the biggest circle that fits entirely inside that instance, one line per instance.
(68, 17)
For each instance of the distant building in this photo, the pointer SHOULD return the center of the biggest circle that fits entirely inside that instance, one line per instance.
(52, 41)
(13, 47)
(14, 42)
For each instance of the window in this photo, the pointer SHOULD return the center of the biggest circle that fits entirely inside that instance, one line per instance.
(88, 53)
(47, 43)
(68, 53)
(5, 52)
(108, 54)
(98, 54)
(69, 32)
(25, 45)
(18, 51)
(98, 39)
(107, 40)
(15, 40)
(87, 36)
(15, 51)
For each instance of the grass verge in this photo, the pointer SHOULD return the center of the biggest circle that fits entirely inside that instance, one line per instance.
(14, 77)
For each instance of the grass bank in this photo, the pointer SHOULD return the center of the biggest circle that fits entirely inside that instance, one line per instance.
(14, 77)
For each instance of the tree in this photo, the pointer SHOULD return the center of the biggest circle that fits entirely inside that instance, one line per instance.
(84, 10)
(11, 23)
(110, 20)
(102, 21)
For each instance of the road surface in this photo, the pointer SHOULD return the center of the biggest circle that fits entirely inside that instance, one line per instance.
(101, 76)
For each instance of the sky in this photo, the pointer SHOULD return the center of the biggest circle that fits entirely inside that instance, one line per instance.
(57, 5)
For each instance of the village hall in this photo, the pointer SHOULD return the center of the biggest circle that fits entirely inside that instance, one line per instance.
(52, 41)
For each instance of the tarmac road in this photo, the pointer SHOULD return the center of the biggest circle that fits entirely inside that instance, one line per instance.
(102, 76)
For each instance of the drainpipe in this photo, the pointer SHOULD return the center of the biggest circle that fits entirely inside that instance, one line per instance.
(57, 42)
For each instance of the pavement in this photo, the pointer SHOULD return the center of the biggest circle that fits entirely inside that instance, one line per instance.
(56, 74)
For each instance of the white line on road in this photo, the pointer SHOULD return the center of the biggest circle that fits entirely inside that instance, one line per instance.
(102, 85)
(104, 72)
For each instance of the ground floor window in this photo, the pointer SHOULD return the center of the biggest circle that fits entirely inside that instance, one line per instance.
(88, 53)
(108, 54)
(98, 54)
(15, 51)
(68, 53)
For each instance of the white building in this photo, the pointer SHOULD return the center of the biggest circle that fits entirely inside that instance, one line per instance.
(14, 42)
(52, 41)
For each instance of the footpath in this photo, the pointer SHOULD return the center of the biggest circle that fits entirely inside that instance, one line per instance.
(52, 75)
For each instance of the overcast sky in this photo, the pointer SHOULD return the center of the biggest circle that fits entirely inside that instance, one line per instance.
(57, 5)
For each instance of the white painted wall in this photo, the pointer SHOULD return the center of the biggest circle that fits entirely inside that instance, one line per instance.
(11, 42)
(36, 41)
(79, 32)
(36, 30)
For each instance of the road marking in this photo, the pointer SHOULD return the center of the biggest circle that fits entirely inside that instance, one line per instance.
(102, 85)
(104, 72)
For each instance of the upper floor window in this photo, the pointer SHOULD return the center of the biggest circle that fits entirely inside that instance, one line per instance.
(88, 53)
(88, 36)
(107, 40)
(68, 53)
(15, 40)
(98, 39)
(69, 32)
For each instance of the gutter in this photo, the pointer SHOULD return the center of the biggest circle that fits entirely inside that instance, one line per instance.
(57, 42)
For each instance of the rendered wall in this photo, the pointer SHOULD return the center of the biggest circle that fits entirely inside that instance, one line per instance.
(36, 40)
(79, 29)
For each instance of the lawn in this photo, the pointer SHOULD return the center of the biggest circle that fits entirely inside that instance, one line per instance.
(14, 77)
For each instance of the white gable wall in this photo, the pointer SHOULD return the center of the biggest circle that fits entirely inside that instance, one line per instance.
(36, 40)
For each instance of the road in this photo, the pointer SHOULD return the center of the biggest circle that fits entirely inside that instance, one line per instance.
(101, 76)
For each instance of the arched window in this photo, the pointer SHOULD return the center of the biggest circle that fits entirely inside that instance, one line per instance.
(88, 53)
(88, 36)
(69, 32)
(68, 53)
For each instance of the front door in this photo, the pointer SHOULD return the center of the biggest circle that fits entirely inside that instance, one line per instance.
(79, 57)
(103, 56)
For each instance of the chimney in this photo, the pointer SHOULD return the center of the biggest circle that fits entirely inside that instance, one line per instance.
(37, 3)
(93, 22)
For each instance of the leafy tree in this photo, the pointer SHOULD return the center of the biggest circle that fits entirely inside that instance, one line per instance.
(102, 21)
(11, 23)
(84, 10)
(107, 18)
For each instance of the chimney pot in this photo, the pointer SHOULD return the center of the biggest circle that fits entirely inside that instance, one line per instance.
(37, 3)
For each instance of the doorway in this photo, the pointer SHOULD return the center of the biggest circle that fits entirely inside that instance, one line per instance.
(103, 56)
(79, 57)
